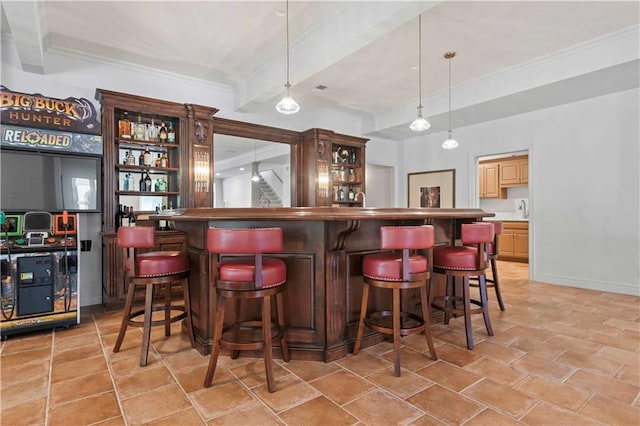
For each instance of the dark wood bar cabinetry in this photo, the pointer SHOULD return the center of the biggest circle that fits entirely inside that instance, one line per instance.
(323, 251)
(178, 138)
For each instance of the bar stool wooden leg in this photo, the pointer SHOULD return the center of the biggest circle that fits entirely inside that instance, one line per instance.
(215, 345)
(396, 332)
(125, 317)
(167, 309)
(496, 285)
(237, 308)
(467, 311)
(266, 335)
(450, 286)
(186, 294)
(485, 305)
(363, 314)
(426, 316)
(146, 331)
(280, 316)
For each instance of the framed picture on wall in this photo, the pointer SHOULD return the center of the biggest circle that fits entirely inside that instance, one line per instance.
(435, 189)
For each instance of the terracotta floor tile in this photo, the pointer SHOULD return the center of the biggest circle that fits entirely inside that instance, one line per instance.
(190, 358)
(410, 359)
(502, 397)
(611, 412)
(568, 342)
(629, 374)
(319, 411)
(257, 412)
(156, 404)
(143, 381)
(426, 420)
(290, 392)
(40, 340)
(404, 386)
(445, 405)
(254, 374)
(457, 355)
(616, 341)
(563, 395)
(131, 364)
(19, 392)
(381, 408)
(188, 417)
(310, 370)
(548, 414)
(343, 386)
(449, 375)
(624, 324)
(85, 411)
(543, 367)
(363, 363)
(531, 332)
(77, 353)
(86, 366)
(192, 378)
(496, 371)
(66, 342)
(21, 373)
(493, 418)
(621, 356)
(604, 386)
(221, 399)
(537, 348)
(22, 358)
(497, 352)
(80, 387)
(29, 413)
(113, 421)
(589, 362)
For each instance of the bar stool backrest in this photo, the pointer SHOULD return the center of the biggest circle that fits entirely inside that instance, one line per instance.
(244, 241)
(131, 238)
(406, 237)
(478, 234)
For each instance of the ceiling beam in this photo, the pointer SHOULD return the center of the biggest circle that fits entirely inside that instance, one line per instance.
(29, 31)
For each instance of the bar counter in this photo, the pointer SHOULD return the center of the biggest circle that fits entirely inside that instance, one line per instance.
(323, 250)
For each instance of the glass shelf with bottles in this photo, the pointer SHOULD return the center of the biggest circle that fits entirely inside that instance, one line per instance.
(144, 160)
(132, 184)
(139, 128)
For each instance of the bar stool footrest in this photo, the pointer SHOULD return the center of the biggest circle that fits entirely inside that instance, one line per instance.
(159, 308)
(247, 335)
(382, 322)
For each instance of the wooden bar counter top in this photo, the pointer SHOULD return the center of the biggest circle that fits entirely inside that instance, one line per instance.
(323, 250)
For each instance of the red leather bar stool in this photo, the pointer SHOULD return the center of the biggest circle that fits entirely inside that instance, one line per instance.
(492, 249)
(465, 261)
(398, 270)
(249, 276)
(150, 270)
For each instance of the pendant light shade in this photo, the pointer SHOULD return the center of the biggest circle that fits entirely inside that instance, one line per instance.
(287, 105)
(450, 143)
(419, 124)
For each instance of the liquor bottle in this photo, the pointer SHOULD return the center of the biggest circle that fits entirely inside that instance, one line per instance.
(119, 217)
(341, 194)
(139, 129)
(141, 159)
(354, 157)
(171, 133)
(132, 217)
(131, 184)
(131, 159)
(352, 175)
(157, 163)
(161, 185)
(152, 131)
(164, 160)
(125, 160)
(124, 127)
(148, 159)
(147, 182)
(352, 195)
(125, 216)
(125, 183)
(162, 133)
(141, 185)
(336, 155)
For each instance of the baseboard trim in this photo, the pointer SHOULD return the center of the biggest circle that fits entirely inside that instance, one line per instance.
(612, 287)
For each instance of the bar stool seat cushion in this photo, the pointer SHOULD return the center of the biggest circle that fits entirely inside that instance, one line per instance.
(458, 258)
(160, 263)
(388, 266)
(274, 271)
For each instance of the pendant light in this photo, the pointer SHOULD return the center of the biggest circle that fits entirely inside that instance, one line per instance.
(450, 143)
(419, 124)
(255, 174)
(287, 105)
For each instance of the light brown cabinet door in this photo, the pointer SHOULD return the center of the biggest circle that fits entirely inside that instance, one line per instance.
(521, 243)
(514, 172)
(489, 182)
(514, 242)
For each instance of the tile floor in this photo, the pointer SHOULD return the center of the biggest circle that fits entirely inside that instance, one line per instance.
(560, 355)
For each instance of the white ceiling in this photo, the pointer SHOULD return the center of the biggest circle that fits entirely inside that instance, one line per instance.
(365, 52)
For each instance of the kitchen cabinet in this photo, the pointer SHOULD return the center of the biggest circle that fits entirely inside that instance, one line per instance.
(514, 241)
(489, 181)
(514, 171)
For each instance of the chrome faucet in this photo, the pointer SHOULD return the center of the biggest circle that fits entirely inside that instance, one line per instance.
(523, 207)
(364, 198)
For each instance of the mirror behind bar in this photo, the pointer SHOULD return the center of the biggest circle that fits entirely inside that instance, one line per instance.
(244, 150)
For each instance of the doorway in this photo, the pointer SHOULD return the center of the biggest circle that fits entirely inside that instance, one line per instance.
(382, 179)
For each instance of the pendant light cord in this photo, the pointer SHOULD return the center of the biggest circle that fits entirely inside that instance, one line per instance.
(420, 61)
(287, 30)
(449, 95)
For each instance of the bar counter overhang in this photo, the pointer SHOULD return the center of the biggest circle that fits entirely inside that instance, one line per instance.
(323, 250)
